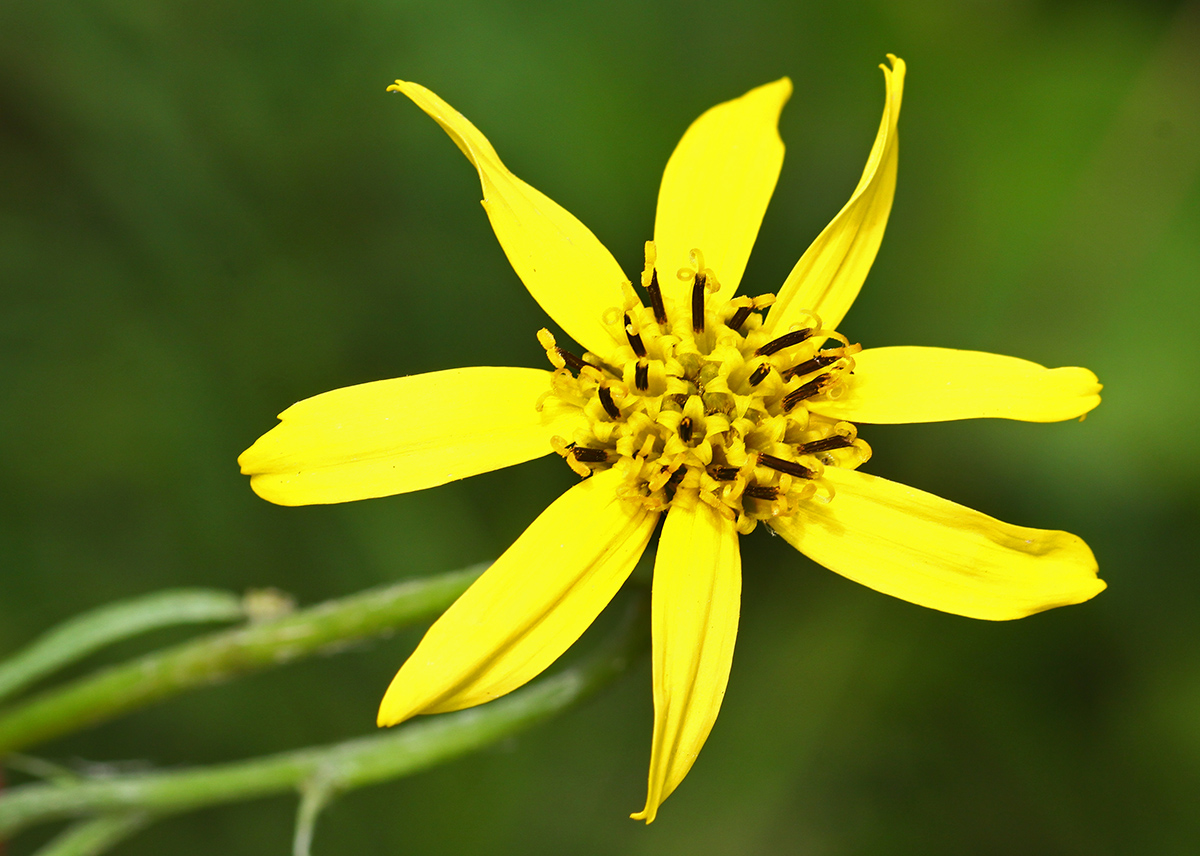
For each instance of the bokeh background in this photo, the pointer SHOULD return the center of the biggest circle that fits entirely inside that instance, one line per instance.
(211, 210)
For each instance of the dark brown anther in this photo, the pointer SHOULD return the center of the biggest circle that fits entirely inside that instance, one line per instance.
(572, 361)
(817, 363)
(724, 473)
(635, 341)
(739, 318)
(641, 376)
(698, 303)
(610, 406)
(808, 390)
(612, 370)
(656, 301)
(825, 444)
(760, 374)
(785, 341)
(789, 467)
(685, 429)
(762, 491)
(673, 483)
(589, 456)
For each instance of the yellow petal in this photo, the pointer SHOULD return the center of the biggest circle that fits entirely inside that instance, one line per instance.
(829, 274)
(529, 606)
(696, 601)
(566, 269)
(933, 552)
(716, 188)
(405, 434)
(892, 385)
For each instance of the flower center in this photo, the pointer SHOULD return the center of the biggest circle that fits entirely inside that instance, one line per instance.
(703, 404)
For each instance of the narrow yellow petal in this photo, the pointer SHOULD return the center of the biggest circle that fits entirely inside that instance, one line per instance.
(566, 269)
(907, 384)
(696, 602)
(830, 273)
(405, 434)
(716, 188)
(933, 552)
(529, 607)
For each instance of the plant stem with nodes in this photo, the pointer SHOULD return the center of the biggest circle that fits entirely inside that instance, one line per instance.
(335, 768)
(220, 656)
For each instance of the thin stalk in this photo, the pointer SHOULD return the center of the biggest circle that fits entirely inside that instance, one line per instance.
(340, 767)
(82, 635)
(219, 656)
(314, 796)
(95, 836)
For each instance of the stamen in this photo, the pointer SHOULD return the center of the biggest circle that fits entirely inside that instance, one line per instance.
(696, 257)
(673, 483)
(611, 369)
(632, 301)
(785, 341)
(739, 318)
(570, 359)
(789, 467)
(567, 450)
(641, 376)
(808, 390)
(656, 299)
(700, 416)
(818, 362)
(761, 491)
(591, 456)
(825, 444)
(635, 341)
(610, 406)
(685, 429)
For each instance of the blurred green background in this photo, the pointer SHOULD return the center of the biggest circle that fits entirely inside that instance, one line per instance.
(209, 211)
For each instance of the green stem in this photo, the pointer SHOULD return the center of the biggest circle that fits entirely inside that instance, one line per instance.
(219, 656)
(80, 636)
(340, 767)
(92, 837)
(315, 794)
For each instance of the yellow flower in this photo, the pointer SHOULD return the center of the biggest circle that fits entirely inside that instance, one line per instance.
(714, 410)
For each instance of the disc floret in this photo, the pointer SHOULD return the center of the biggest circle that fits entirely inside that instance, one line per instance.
(701, 403)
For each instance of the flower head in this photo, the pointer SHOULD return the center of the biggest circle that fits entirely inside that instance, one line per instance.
(687, 403)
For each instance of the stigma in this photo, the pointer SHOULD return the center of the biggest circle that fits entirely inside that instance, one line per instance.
(698, 402)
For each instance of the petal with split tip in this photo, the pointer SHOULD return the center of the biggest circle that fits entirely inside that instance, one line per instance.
(932, 552)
